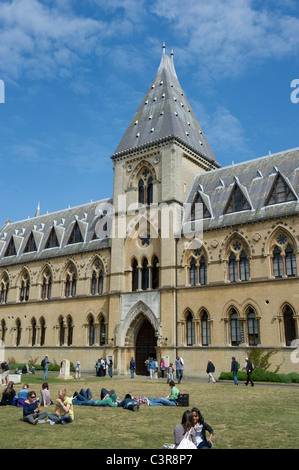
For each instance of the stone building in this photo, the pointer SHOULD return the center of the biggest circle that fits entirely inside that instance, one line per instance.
(187, 257)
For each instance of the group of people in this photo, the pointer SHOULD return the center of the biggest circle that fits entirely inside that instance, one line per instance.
(248, 366)
(102, 366)
(152, 368)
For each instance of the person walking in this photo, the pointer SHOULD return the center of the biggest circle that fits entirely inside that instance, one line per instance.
(151, 367)
(162, 366)
(132, 367)
(179, 368)
(234, 369)
(78, 370)
(210, 371)
(45, 365)
(249, 369)
(110, 368)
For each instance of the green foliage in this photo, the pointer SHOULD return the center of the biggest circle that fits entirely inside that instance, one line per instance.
(260, 358)
(261, 375)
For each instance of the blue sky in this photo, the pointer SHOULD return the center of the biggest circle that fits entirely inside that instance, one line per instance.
(75, 72)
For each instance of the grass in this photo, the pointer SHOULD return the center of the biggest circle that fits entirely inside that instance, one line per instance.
(260, 417)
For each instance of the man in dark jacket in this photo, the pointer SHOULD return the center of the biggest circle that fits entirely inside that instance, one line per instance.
(234, 369)
(210, 370)
(249, 369)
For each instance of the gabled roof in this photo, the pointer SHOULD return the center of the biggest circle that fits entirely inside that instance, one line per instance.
(255, 178)
(165, 112)
(62, 222)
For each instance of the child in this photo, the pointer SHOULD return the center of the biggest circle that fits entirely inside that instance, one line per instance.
(170, 372)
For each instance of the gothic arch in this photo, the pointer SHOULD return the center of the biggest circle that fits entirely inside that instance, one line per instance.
(271, 240)
(227, 246)
(134, 320)
(143, 164)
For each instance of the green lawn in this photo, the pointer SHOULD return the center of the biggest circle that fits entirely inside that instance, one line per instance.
(260, 417)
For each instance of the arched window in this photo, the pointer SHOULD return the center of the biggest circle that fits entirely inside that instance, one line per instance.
(205, 330)
(145, 187)
(69, 328)
(18, 332)
(190, 329)
(244, 267)
(24, 288)
(102, 332)
(202, 271)
(193, 272)
(155, 273)
(289, 326)
(70, 282)
(233, 268)
(134, 276)
(277, 262)
(290, 262)
(3, 330)
(97, 279)
(4, 290)
(235, 329)
(91, 331)
(33, 332)
(42, 331)
(145, 275)
(61, 331)
(46, 286)
(252, 328)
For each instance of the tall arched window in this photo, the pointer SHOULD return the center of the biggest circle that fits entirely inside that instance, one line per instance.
(46, 285)
(190, 329)
(145, 188)
(18, 332)
(33, 332)
(134, 275)
(42, 331)
(69, 328)
(4, 290)
(277, 262)
(235, 328)
(91, 331)
(290, 262)
(289, 326)
(202, 271)
(3, 330)
(25, 288)
(61, 329)
(252, 328)
(193, 272)
(70, 282)
(205, 330)
(243, 267)
(145, 275)
(233, 268)
(97, 279)
(283, 256)
(102, 332)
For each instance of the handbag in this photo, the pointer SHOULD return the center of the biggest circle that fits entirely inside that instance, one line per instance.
(186, 443)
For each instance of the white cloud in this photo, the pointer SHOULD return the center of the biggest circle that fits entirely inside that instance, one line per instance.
(227, 37)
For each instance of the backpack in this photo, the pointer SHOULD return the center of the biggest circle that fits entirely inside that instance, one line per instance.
(43, 363)
(238, 366)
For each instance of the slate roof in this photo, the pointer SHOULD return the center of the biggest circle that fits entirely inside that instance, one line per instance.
(255, 179)
(165, 112)
(86, 215)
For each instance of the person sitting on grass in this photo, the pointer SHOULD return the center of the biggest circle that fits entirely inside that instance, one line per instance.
(8, 395)
(31, 411)
(64, 412)
(171, 400)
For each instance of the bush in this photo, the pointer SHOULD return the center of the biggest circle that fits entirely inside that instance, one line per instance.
(261, 375)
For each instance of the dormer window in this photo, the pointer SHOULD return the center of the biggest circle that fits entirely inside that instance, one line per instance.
(237, 201)
(280, 192)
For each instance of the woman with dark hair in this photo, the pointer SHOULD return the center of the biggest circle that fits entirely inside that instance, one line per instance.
(8, 395)
(187, 425)
(45, 400)
(201, 427)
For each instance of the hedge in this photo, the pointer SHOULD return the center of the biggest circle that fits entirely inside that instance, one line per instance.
(260, 375)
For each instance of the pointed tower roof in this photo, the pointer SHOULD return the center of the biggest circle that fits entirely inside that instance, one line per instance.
(165, 113)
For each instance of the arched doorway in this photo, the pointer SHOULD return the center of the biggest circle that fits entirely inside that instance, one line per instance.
(146, 344)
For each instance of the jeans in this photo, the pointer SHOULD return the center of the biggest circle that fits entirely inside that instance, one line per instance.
(204, 444)
(45, 373)
(161, 402)
(62, 420)
(235, 377)
(30, 418)
(179, 375)
(84, 398)
(132, 373)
